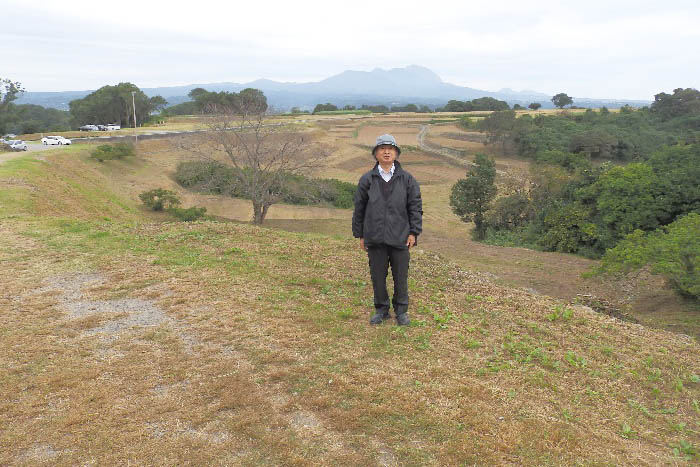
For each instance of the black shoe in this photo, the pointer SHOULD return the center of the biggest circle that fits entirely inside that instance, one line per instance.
(379, 317)
(402, 319)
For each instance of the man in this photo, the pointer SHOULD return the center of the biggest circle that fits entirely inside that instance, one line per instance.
(388, 218)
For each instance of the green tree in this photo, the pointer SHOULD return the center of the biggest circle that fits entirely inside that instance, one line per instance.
(629, 198)
(111, 104)
(681, 102)
(324, 107)
(470, 197)
(595, 144)
(158, 103)
(534, 106)
(561, 100)
(672, 251)
(568, 228)
(380, 108)
(197, 92)
(499, 126)
(9, 91)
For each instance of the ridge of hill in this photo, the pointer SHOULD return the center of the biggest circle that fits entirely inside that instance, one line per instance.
(130, 338)
(411, 84)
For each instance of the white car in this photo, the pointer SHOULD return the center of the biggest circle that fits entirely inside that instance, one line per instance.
(17, 144)
(112, 127)
(52, 140)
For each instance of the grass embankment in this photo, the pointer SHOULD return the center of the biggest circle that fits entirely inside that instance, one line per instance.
(130, 341)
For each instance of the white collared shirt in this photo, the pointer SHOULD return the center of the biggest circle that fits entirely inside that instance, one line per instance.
(386, 176)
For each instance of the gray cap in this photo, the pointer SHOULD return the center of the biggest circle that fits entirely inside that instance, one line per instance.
(386, 139)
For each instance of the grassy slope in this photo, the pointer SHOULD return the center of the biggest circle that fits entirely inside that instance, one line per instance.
(264, 354)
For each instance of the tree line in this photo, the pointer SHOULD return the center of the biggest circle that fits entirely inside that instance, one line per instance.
(621, 186)
(208, 102)
(27, 118)
(109, 104)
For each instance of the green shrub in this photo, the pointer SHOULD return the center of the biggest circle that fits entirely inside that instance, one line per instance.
(509, 212)
(159, 199)
(220, 179)
(106, 152)
(672, 251)
(187, 214)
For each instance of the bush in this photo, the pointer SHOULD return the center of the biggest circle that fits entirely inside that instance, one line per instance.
(672, 251)
(217, 178)
(509, 212)
(568, 160)
(159, 199)
(187, 214)
(106, 152)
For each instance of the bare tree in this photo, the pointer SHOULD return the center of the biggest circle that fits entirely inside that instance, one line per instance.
(263, 154)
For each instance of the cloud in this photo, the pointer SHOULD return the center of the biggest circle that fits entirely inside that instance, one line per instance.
(600, 49)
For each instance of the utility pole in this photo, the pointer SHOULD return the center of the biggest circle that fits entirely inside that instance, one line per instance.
(133, 104)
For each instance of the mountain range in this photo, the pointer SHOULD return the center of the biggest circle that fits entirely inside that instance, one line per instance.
(397, 86)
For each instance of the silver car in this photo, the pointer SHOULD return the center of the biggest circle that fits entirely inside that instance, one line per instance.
(17, 145)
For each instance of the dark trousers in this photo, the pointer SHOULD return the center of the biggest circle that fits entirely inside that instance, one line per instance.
(380, 257)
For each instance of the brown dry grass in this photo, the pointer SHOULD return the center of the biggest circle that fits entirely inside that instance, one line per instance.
(259, 350)
(257, 365)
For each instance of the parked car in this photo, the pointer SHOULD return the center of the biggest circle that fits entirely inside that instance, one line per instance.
(88, 128)
(17, 145)
(102, 127)
(113, 126)
(52, 140)
(9, 136)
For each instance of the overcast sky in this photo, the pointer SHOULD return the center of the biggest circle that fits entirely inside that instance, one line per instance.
(599, 49)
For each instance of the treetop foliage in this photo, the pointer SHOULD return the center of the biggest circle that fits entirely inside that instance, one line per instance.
(114, 104)
(482, 103)
(561, 100)
(325, 107)
(673, 252)
(250, 101)
(681, 103)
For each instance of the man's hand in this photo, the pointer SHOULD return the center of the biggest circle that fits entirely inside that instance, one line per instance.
(410, 241)
(362, 244)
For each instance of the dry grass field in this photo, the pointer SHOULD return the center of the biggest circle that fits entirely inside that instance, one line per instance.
(130, 339)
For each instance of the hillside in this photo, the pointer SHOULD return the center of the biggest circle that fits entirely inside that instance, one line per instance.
(129, 338)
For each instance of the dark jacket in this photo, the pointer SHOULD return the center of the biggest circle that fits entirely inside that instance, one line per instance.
(387, 221)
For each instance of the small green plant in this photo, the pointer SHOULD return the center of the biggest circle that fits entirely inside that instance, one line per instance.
(159, 199)
(627, 432)
(567, 415)
(106, 152)
(636, 405)
(684, 450)
(472, 343)
(575, 360)
(678, 385)
(560, 312)
(345, 314)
